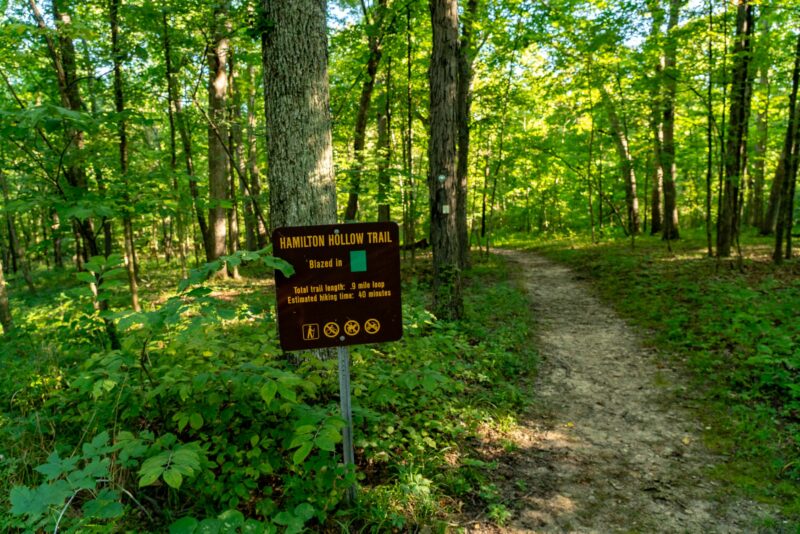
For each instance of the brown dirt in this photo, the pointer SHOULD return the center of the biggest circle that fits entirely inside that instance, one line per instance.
(609, 444)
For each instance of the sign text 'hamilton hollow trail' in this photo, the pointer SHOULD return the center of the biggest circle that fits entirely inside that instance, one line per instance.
(346, 286)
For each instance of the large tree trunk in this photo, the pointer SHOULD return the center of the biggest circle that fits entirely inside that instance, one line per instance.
(670, 216)
(119, 101)
(218, 185)
(466, 57)
(736, 143)
(442, 179)
(296, 101)
(626, 162)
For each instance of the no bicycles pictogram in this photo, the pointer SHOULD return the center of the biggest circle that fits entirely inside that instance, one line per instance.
(372, 326)
(331, 329)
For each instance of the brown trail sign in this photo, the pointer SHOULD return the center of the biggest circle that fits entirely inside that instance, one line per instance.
(346, 286)
(345, 290)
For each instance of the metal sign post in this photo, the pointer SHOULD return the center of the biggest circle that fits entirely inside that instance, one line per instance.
(347, 414)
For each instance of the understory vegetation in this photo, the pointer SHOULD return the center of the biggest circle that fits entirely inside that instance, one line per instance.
(200, 423)
(732, 325)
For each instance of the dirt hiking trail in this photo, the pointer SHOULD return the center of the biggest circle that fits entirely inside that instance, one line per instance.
(608, 445)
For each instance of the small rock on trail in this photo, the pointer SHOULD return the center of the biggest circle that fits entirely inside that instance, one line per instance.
(607, 446)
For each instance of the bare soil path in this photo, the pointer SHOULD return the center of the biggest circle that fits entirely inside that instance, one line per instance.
(609, 445)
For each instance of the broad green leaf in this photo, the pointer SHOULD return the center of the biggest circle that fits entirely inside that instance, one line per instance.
(268, 391)
(173, 478)
(302, 453)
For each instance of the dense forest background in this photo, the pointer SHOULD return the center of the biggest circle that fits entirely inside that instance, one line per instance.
(135, 158)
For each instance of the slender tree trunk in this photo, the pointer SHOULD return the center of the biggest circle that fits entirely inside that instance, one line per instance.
(786, 172)
(466, 57)
(709, 134)
(119, 100)
(626, 162)
(173, 152)
(589, 164)
(670, 217)
(5, 310)
(299, 145)
(236, 161)
(374, 38)
(385, 151)
(736, 146)
(443, 76)
(252, 160)
(14, 239)
(755, 205)
(183, 131)
(410, 236)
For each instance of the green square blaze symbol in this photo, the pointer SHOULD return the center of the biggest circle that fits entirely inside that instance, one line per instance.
(358, 261)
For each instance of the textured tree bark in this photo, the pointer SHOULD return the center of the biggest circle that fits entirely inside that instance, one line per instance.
(466, 57)
(670, 216)
(442, 178)
(5, 310)
(218, 186)
(626, 162)
(119, 102)
(374, 38)
(736, 143)
(299, 145)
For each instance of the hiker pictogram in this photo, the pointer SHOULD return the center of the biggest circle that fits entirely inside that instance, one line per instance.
(310, 331)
